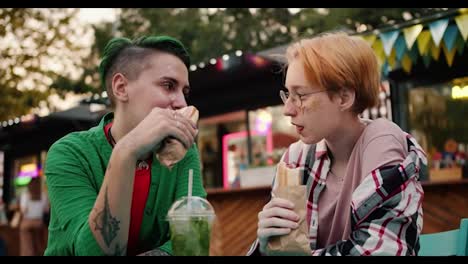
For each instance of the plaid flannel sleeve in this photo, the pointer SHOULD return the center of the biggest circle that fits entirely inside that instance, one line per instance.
(386, 213)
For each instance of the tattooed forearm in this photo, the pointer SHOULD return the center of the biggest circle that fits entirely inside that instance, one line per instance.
(154, 252)
(106, 223)
(118, 251)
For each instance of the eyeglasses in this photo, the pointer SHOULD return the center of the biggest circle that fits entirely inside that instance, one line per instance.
(296, 98)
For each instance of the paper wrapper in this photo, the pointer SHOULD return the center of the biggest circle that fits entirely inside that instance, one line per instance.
(172, 150)
(288, 187)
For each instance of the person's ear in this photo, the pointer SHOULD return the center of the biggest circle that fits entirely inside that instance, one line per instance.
(119, 87)
(347, 98)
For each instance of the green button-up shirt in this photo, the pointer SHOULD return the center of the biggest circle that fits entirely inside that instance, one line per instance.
(75, 169)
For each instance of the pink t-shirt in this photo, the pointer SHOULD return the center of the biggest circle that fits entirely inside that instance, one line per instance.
(382, 143)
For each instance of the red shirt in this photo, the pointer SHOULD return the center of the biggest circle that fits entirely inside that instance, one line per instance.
(140, 194)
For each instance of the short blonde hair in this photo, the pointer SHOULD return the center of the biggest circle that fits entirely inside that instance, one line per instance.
(336, 61)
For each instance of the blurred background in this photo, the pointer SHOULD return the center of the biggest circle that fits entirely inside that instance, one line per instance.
(49, 86)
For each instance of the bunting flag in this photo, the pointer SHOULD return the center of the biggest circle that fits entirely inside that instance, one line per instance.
(385, 68)
(379, 52)
(414, 53)
(426, 60)
(424, 41)
(388, 39)
(449, 54)
(450, 36)
(435, 51)
(411, 34)
(462, 23)
(437, 29)
(370, 38)
(406, 63)
(392, 59)
(400, 47)
(460, 43)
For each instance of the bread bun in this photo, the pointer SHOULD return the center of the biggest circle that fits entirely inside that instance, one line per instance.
(172, 150)
(190, 112)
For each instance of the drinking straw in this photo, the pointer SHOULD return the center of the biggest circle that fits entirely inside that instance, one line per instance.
(190, 180)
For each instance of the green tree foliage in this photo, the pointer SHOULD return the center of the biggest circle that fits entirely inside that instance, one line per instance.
(37, 47)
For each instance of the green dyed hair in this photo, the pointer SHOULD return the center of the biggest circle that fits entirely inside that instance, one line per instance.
(127, 56)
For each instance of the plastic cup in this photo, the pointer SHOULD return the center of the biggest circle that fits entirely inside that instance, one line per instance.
(190, 220)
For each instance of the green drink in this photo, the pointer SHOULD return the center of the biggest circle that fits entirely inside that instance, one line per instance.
(190, 221)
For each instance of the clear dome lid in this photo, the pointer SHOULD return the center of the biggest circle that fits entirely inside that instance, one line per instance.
(187, 207)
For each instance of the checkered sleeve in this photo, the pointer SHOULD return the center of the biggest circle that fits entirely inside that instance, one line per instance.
(386, 213)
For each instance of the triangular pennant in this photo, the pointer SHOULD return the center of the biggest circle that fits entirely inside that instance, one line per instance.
(370, 38)
(414, 54)
(427, 60)
(378, 49)
(392, 59)
(400, 47)
(388, 39)
(450, 36)
(435, 52)
(460, 43)
(411, 34)
(385, 68)
(406, 64)
(423, 41)
(449, 55)
(437, 29)
(462, 23)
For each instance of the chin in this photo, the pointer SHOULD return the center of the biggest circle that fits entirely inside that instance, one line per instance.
(310, 139)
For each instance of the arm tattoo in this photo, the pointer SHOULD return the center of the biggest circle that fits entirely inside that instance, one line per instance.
(154, 252)
(118, 251)
(107, 224)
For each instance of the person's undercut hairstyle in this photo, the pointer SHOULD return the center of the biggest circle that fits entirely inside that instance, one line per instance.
(122, 55)
(336, 61)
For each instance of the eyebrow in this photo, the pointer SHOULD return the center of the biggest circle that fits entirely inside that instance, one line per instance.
(167, 78)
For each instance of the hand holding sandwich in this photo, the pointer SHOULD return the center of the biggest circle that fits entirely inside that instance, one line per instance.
(159, 124)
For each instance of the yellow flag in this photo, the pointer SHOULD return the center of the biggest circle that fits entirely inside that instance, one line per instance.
(435, 51)
(462, 23)
(392, 59)
(424, 41)
(378, 49)
(370, 38)
(411, 34)
(406, 63)
(449, 55)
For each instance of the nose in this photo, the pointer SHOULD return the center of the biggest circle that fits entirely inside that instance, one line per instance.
(177, 100)
(289, 109)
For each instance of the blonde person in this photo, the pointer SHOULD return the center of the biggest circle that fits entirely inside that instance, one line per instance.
(364, 195)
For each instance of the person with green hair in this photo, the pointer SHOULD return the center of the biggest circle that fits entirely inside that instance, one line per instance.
(109, 194)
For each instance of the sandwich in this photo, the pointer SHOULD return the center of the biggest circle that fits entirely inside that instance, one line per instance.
(172, 150)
